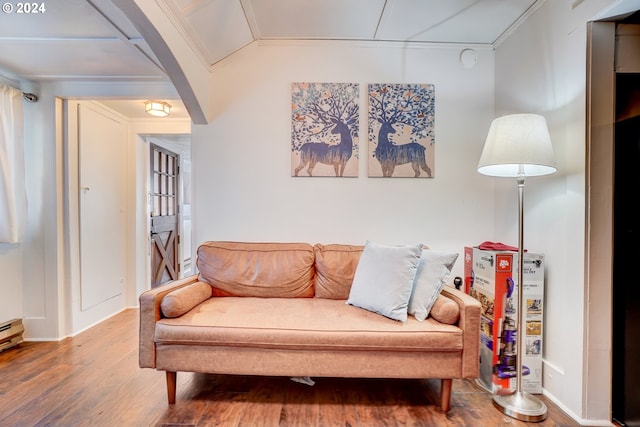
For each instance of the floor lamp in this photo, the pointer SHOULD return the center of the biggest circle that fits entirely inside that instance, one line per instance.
(518, 146)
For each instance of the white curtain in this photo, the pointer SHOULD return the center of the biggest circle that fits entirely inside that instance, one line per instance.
(13, 198)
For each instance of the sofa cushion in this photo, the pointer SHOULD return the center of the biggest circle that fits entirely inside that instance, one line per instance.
(335, 267)
(384, 278)
(299, 323)
(445, 310)
(284, 270)
(178, 302)
(432, 269)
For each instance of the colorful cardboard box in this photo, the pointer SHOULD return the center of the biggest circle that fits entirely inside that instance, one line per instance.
(492, 278)
(468, 268)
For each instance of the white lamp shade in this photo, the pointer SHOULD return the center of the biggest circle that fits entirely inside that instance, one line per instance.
(518, 145)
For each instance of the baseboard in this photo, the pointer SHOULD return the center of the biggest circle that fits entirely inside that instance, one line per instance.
(576, 418)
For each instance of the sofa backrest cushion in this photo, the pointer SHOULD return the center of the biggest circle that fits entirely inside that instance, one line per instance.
(335, 267)
(276, 270)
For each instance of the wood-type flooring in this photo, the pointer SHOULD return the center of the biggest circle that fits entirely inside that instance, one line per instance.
(93, 379)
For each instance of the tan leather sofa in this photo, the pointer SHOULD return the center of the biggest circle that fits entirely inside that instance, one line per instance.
(279, 309)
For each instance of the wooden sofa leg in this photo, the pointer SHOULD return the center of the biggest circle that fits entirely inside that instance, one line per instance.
(171, 387)
(445, 394)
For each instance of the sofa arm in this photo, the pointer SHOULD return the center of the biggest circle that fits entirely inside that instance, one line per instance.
(150, 313)
(470, 324)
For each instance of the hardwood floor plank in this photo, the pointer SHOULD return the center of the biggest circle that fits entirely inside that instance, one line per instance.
(31, 358)
(300, 405)
(418, 402)
(100, 383)
(225, 409)
(146, 402)
(377, 410)
(335, 409)
(93, 380)
(263, 407)
(31, 400)
(186, 413)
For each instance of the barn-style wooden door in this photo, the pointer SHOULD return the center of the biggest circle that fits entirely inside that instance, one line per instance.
(164, 171)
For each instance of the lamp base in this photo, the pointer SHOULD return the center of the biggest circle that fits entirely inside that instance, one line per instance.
(521, 406)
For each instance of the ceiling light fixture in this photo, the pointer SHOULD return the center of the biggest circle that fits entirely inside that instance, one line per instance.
(157, 108)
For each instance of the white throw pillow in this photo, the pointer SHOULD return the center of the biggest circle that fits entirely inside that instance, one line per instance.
(384, 278)
(433, 268)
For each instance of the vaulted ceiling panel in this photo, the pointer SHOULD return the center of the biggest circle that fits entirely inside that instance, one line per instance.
(74, 18)
(77, 59)
(436, 21)
(216, 27)
(74, 39)
(327, 19)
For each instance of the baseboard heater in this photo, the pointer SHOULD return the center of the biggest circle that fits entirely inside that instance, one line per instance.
(10, 333)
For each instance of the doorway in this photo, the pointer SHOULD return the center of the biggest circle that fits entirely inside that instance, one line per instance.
(626, 252)
(167, 155)
(104, 149)
(612, 154)
(163, 196)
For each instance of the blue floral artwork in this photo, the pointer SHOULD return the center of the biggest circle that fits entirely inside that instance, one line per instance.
(401, 130)
(324, 129)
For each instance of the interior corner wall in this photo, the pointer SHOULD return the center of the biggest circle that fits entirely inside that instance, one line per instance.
(541, 68)
(41, 267)
(243, 189)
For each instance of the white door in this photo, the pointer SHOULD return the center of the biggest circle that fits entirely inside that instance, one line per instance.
(102, 202)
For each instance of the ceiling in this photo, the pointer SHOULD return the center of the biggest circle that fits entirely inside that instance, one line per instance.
(93, 41)
(219, 28)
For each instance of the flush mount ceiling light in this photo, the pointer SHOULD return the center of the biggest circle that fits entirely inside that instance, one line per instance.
(157, 108)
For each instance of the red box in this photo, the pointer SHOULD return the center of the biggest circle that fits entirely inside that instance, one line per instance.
(493, 279)
(468, 268)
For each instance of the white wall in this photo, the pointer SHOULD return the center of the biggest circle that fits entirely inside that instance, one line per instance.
(241, 160)
(35, 283)
(541, 68)
(42, 271)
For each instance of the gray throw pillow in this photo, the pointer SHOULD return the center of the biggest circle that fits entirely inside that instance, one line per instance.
(433, 268)
(384, 279)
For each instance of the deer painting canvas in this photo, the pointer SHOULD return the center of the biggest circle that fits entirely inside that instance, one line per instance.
(324, 129)
(401, 130)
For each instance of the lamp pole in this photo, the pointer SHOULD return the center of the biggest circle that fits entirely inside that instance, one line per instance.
(520, 330)
(519, 404)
